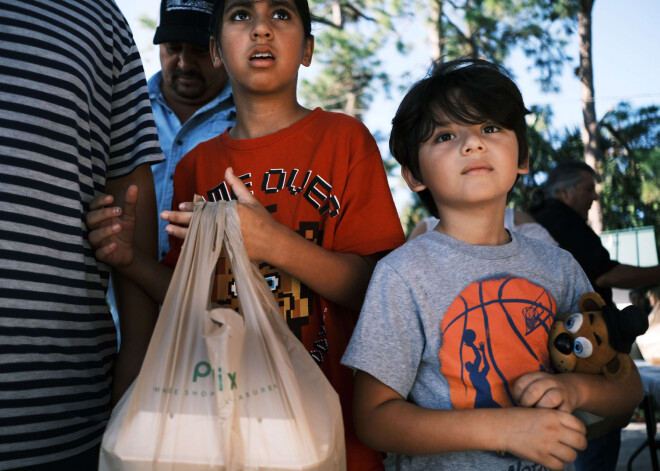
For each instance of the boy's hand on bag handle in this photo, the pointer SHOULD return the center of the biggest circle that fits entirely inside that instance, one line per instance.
(112, 228)
(259, 229)
(178, 220)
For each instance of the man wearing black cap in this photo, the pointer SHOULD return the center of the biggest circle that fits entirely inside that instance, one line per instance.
(191, 100)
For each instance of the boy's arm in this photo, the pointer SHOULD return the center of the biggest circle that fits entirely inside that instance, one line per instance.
(588, 392)
(385, 421)
(339, 277)
(137, 311)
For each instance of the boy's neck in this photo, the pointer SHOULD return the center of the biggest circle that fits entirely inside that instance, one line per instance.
(258, 118)
(475, 226)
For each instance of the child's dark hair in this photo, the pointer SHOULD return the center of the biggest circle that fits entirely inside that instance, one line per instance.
(467, 91)
(219, 9)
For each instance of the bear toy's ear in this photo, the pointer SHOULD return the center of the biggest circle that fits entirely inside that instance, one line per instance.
(618, 368)
(590, 301)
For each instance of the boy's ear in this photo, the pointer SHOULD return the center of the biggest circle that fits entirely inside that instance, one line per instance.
(524, 169)
(308, 52)
(414, 184)
(215, 53)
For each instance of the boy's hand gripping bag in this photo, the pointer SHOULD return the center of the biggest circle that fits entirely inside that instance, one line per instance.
(221, 390)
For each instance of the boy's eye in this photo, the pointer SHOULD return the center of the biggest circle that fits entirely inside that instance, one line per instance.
(445, 136)
(240, 15)
(281, 14)
(491, 129)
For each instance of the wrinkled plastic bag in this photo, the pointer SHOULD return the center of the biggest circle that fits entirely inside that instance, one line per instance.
(221, 390)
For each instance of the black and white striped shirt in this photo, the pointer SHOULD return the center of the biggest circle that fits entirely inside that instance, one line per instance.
(74, 111)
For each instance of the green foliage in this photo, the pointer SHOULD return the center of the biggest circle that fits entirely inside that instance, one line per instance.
(350, 66)
(631, 167)
(412, 215)
(148, 22)
(350, 40)
(351, 35)
(491, 29)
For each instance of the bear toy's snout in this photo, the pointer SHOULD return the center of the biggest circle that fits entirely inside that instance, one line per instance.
(564, 343)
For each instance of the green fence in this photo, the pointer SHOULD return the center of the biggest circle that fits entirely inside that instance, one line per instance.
(635, 246)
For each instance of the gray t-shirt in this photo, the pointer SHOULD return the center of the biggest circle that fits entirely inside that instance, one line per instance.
(450, 325)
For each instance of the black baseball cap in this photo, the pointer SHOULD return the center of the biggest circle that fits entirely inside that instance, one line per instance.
(185, 21)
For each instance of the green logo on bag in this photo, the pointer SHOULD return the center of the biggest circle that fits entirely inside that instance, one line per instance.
(203, 369)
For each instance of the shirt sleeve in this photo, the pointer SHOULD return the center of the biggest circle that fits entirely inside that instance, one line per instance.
(133, 134)
(369, 222)
(388, 340)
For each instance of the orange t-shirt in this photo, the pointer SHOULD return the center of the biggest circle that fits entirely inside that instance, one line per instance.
(323, 177)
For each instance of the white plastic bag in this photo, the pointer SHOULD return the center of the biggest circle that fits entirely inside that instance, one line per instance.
(219, 390)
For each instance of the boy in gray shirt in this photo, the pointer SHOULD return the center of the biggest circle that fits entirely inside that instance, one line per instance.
(451, 346)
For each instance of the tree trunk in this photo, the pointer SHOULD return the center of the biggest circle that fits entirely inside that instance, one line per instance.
(589, 129)
(436, 30)
(336, 14)
(350, 108)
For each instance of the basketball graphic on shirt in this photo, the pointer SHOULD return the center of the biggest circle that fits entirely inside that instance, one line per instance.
(495, 331)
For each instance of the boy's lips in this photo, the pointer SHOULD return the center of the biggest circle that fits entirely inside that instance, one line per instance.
(262, 54)
(476, 168)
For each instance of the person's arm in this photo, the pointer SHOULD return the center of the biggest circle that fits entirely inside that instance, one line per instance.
(418, 230)
(114, 235)
(339, 277)
(582, 391)
(385, 421)
(521, 217)
(136, 310)
(628, 276)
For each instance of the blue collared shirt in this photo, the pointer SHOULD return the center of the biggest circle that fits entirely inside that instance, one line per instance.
(177, 140)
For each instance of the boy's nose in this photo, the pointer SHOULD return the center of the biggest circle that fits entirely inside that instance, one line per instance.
(256, 34)
(472, 144)
(261, 29)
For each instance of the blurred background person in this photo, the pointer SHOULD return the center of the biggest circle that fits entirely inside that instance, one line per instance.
(640, 297)
(514, 220)
(562, 208)
(192, 100)
(649, 343)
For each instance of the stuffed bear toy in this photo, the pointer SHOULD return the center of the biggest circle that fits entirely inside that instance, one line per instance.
(597, 339)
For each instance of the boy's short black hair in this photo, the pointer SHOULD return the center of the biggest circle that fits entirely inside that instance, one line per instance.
(219, 9)
(468, 91)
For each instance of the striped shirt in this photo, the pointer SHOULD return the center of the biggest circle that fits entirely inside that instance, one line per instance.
(74, 110)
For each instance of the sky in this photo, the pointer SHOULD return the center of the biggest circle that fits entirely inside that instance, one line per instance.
(626, 51)
(626, 55)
